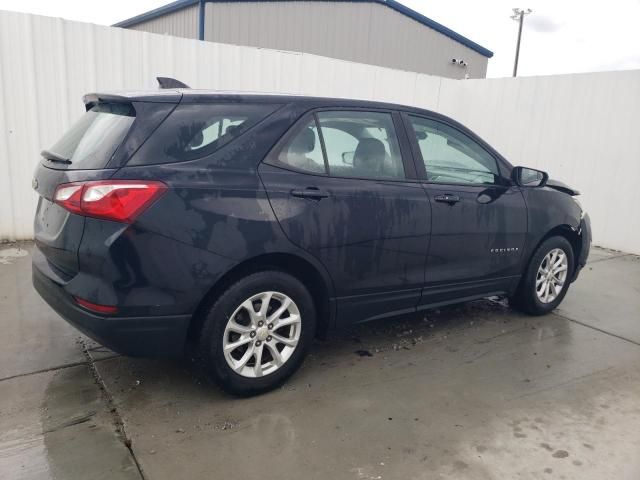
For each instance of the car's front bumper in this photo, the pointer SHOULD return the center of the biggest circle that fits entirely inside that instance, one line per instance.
(148, 336)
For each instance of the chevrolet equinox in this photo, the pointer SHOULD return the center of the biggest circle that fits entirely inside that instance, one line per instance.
(246, 224)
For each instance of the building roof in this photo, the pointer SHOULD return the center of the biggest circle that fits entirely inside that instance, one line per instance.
(393, 4)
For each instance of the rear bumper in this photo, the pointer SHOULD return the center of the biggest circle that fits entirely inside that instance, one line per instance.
(148, 336)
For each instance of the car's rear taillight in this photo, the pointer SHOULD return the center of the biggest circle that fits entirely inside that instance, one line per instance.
(117, 200)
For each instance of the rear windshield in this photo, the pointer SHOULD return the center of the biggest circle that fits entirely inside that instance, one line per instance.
(92, 140)
(195, 130)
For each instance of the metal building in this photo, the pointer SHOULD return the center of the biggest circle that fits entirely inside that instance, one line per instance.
(377, 32)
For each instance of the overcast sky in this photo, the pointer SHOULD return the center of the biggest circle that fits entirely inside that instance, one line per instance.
(560, 36)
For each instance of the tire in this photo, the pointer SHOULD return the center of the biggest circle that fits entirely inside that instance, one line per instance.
(237, 371)
(527, 297)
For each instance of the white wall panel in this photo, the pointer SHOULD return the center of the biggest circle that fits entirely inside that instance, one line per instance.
(578, 127)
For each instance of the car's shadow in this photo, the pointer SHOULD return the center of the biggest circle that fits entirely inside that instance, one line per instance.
(132, 377)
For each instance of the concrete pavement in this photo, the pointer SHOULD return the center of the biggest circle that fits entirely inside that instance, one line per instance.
(55, 419)
(474, 391)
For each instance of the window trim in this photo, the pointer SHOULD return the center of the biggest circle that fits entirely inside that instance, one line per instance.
(402, 136)
(323, 147)
(421, 169)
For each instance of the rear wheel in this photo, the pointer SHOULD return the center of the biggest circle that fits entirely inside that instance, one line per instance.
(257, 333)
(547, 278)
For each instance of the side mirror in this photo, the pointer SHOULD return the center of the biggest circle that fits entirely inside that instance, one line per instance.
(529, 177)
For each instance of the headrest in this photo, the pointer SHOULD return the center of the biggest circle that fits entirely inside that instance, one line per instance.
(369, 149)
(304, 142)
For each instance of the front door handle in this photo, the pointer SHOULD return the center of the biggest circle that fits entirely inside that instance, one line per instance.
(310, 192)
(447, 198)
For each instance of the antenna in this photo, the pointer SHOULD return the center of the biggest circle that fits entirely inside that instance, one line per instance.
(168, 82)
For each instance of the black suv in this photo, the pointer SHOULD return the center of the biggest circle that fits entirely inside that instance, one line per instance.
(247, 224)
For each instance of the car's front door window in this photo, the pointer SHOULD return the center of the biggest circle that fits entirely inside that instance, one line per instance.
(450, 156)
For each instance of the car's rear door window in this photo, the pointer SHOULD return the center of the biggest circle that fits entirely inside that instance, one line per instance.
(303, 151)
(354, 144)
(361, 144)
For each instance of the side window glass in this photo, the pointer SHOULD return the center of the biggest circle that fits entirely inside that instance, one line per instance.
(220, 127)
(451, 157)
(340, 147)
(361, 144)
(303, 151)
(207, 136)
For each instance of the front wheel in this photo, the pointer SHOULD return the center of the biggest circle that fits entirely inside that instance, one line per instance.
(257, 333)
(547, 277)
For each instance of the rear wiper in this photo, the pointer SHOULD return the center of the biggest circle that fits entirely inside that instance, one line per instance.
(54, 157)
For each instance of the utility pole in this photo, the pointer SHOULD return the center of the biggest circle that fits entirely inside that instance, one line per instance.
(518, 15)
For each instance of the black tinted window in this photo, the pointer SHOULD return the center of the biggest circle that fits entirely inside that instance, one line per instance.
(195, 130)
(92, 140)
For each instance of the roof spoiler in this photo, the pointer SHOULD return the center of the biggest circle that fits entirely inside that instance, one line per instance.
(161, 96)
(92, 99)
(168, 82)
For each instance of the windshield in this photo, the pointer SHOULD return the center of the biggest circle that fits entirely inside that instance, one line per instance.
(92, 140)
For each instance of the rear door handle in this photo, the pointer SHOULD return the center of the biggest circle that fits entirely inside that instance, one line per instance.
(447, 198)
(310, 192)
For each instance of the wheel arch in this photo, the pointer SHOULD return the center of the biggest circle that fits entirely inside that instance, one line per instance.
(310, 275)
(572, 235)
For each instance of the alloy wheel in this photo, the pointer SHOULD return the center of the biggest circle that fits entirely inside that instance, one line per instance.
(552, 275)
(262, 334)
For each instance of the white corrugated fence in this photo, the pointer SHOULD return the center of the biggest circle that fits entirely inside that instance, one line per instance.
(578, 127)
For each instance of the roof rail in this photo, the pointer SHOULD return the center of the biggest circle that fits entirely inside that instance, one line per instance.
(168, 82)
